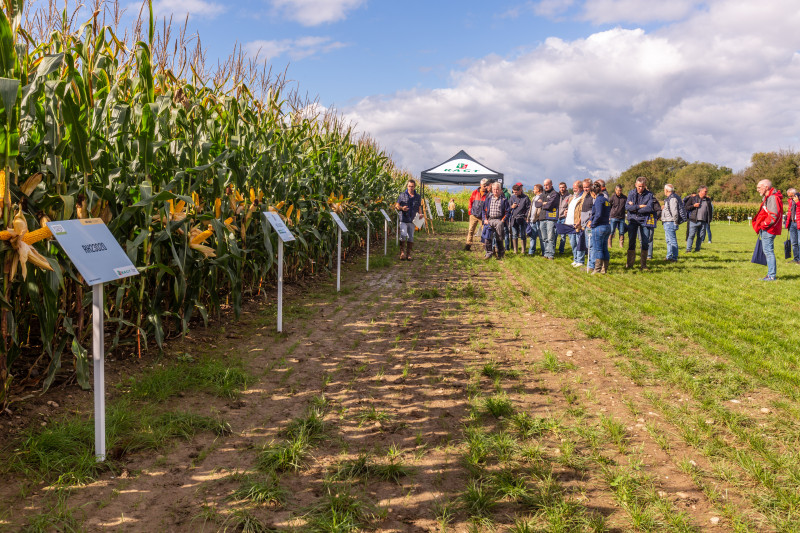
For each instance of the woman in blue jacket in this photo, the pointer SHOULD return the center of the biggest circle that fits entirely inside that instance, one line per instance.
(640, 215)
(601, 229)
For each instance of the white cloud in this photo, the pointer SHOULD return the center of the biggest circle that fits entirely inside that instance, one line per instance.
(315, 12)
(180, 8)
(636, 11)
(295, 49)
(550, 8)
(716, 86)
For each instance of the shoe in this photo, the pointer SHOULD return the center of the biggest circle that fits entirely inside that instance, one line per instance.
(643, 261)
(467, 247)
(631, 259)
(767, 278)
(402, 250)
(604, 266)
(574, 264)
(409, 247)
(598, 266)
(577, 265)
(488, 255)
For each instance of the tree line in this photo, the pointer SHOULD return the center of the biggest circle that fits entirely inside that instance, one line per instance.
(724, 185)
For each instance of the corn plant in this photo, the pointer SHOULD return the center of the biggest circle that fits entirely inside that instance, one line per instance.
(179, 169)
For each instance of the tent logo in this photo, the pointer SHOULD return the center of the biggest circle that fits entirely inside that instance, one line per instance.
(461, 166)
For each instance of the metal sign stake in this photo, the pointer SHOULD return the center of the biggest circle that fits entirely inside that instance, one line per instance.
(338, 258)
(98, 357)
(385, 237)
(280, 285)
(397, 239)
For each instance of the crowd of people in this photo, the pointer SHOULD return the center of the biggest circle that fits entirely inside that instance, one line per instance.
(590, 217)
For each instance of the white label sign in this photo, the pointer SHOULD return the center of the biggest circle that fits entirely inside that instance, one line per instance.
(383, 212)
(279, 226)
(93, 250)
(438, 203)
(428, 209)
(338, 221)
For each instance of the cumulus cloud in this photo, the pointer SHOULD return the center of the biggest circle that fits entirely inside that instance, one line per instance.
(715, 86)
(180, 8)
(315, 12)
(295, 49)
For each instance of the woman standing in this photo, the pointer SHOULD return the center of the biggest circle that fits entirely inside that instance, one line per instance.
(601, 230)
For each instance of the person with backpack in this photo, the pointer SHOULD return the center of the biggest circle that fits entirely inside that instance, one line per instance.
(640, 210)
(699, 210)
(672, 216)
(768, 224)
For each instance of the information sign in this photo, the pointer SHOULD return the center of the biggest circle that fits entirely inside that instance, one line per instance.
(93, 250)
(428, 209)
(279, 226)
(338, 221)
(385, 215)
(438, 204)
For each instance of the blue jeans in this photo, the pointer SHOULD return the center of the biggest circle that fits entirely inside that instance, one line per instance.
(707, 226)
(547, 228)
(616, 224)
(562, 239)
(451, 215)
(695, 229)
(534, 237)
(577, 256)
(518, 227)
(645, 235)
(768, 243)
(600, 235)
(590, 246)
(793, 235)
(670, 235)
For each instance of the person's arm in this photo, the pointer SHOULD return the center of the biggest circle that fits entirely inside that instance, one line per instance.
(648, 206)
(506, 209)
(552, 203)
(471, 199)
(771, 207)
(630, 205)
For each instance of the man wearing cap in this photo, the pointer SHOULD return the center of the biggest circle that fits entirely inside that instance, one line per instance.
(409, 204)
(549, 203)
(476, 201)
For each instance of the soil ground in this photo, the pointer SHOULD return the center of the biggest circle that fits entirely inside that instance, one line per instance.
(400, 355)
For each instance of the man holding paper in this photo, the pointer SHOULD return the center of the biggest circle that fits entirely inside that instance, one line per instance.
(409, 203)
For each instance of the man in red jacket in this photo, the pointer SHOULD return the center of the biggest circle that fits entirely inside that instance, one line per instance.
(767, 223)
(476, 211)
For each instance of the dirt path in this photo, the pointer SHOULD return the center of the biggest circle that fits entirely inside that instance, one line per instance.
(400, 357)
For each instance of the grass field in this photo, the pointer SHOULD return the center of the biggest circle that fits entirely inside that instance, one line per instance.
(452, 394)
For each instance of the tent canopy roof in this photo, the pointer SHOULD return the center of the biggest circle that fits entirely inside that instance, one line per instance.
(461, 169)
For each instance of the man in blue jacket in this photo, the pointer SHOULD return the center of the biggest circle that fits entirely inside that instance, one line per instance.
(495, 211)
(640, 210)
(549, 203)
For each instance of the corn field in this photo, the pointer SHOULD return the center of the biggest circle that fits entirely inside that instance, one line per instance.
(737, 212)
(92, 125)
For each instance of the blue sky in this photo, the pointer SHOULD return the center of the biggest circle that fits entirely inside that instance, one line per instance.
(535, 89)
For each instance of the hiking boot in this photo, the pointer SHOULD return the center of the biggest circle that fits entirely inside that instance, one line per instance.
(516, 246)
(597, 266)
(643, 261)
(604, 266)
(402, 250)
(621, 240)
(610, 240)
(408, 253)
(467, 247)
(631, 258)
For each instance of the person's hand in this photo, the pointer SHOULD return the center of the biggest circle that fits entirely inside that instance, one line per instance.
(697, 205)
(642, 206)
(514, 206)
(630, 203)
(405, 208)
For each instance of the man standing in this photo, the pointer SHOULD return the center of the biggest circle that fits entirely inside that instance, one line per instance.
(451, 210)
(476, 201)
(603, 189)
(563, 205)
(699, 210)
(793, 222)
(573, 219)
(409, 203)
(520, 205)
(617, 217)
(640, 209)
(768, 223)
(533, 220)
(549, 202)
(495, 211)
(670, 219)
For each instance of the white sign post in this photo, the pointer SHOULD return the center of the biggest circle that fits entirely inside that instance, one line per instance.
(367, 243)
(284, 235)
(341, 227)
(386, 221)
(729, 220)
(397, 239)
(438, 204)
(462, 215)
(99, 258)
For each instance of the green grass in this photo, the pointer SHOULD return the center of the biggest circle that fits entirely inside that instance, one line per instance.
(261, 490)
(224, 378)
(64, 450)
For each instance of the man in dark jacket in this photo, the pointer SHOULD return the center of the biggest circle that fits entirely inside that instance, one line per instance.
(495, 211)
(549, 203)
(640, 210)
(562, 213)
(617, 217)
(520, 205)
(793, 222)
(699, 210)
